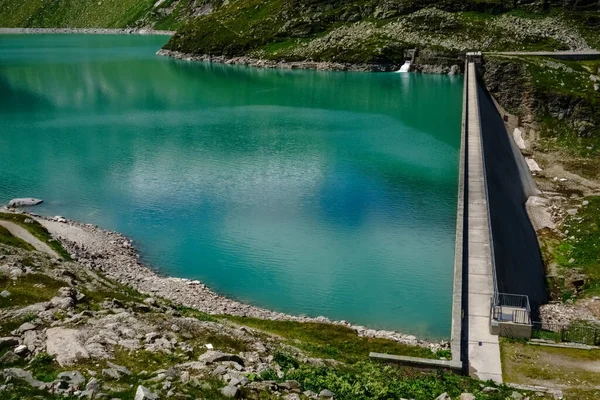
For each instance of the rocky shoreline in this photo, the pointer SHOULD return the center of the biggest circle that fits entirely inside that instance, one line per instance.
(92, 31)
(308, 64)
(115, 255)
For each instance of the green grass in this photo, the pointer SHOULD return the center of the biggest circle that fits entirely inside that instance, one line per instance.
(331, 341)
(72, 13)
(367, 380)
(567, 368)
(10, 325)
(37, 230)
(28, 289)
(581, 248)
(8, 239)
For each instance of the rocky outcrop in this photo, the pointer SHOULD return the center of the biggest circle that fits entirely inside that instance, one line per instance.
(66, 345)
(24, 202)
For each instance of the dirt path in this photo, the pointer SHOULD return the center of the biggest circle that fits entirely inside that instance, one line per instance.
(25, 235)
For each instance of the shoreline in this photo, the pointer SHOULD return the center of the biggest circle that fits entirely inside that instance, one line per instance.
(309, 65)
(91, 31)
(115, 255)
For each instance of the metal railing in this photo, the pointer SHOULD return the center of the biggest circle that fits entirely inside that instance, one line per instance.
(513, 308)
(580, 332)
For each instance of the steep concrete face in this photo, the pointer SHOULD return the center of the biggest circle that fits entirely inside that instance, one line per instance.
(519, 265)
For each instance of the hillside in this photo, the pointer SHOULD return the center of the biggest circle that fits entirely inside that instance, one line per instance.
(352, 31)
(372, 31)
(70, 330)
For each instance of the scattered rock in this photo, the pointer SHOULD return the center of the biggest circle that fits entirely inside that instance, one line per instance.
(143, 393)
(27, 326)
(516, 396)
(230, 391)
(18, 373)
(212, 356)
(466, 396)
(9, 358)
(74, 378)
(122, 370)
(443, 396)
(326, 394)
(8, 342)
(111, 373)
(21, 350)
(65, 345)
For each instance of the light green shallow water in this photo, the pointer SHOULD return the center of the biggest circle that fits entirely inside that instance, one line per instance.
(317, 193)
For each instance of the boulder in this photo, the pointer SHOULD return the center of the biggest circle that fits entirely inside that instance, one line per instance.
(66, 345)
(21, 350)
(5, 293)
(9, 358)
(20, 374)
(143, 393)
(122, 370)
(216, 356)
(467, 396)
(443, 396)
(24, 202)
(111, 373)
(27, 326)
(230, 391)
(9, 341)
(326, 394)
(93, 385)
(75, 379)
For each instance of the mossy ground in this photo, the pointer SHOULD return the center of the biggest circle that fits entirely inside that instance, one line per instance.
(575, 371)
(332, 341)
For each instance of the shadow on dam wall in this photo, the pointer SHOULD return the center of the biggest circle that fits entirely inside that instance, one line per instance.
(519, 265)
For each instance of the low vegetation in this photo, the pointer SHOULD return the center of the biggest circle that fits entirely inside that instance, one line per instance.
(575, 371)
(7, 238)
(332, 341)
(36, 230)
(155, 343)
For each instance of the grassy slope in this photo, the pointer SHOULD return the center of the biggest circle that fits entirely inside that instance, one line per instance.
(355, 378)
(38, 231)
(72, 13)
(572, 370)
(7, 238)
(376, 31)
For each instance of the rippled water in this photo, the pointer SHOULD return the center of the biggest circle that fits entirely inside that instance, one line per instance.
(318, 193)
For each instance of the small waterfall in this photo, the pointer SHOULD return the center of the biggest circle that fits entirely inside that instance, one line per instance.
(405, 67)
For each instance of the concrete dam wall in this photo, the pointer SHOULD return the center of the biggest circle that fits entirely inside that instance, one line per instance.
(519, 264)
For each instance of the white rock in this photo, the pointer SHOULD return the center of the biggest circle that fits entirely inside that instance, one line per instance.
(143, 393)
(533, 165)
(518, 137)
(21, 350)
(66, 345)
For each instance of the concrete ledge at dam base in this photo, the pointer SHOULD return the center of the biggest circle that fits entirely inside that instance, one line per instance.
(418, 362)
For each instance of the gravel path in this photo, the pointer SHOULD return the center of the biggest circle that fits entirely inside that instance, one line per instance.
(25, 235)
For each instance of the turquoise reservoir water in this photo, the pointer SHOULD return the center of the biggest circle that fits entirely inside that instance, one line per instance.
(317, 193)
